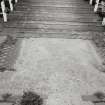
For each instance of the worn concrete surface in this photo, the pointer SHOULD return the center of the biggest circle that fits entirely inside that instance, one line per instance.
(59, 69)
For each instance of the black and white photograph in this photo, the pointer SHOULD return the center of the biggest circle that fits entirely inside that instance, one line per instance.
(52, 52)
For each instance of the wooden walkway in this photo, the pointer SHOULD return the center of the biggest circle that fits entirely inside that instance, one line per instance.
(52, 18)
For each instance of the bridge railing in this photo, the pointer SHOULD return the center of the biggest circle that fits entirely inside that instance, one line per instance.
(99, 8)
(6, 6)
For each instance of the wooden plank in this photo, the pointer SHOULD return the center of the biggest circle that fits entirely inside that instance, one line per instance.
(51, 16)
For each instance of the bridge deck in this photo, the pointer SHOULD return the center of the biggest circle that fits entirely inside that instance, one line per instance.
(52, 18)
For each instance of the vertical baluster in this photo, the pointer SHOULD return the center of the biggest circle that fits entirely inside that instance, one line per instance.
(11, 5)
(103, 11)
(3, 11)
(90, 2)
(103, 21)
(16, 1)
(96, 6)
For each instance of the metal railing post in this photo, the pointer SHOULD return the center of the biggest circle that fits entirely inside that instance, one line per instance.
(4, 11)
(96, 6)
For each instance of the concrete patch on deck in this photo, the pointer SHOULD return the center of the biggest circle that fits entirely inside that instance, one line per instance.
(62, 70)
